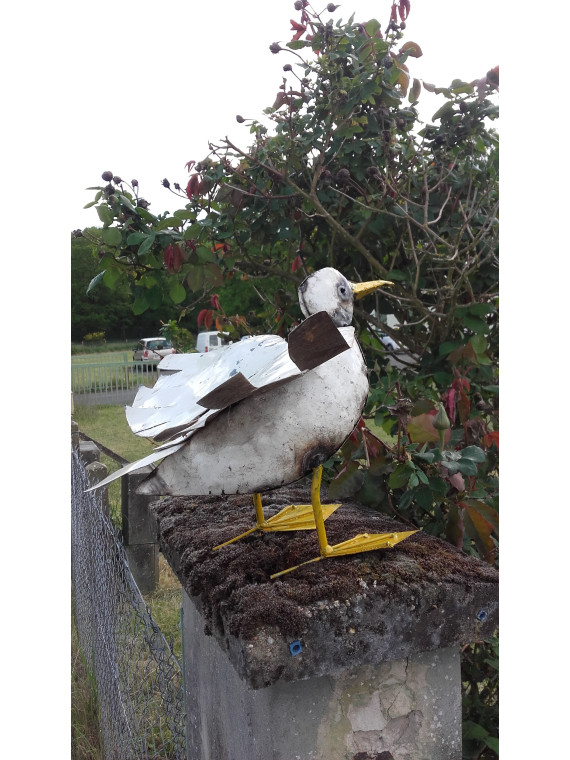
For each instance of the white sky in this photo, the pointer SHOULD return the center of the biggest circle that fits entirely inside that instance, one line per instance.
(155, 82)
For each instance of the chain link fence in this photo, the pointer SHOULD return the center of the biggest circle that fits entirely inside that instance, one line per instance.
(139, 680)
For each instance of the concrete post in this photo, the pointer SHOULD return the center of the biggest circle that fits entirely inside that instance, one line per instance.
(354, 658)
(96, 472)
(409, 709)
(89, 452)
(139, 531)
(74, 434)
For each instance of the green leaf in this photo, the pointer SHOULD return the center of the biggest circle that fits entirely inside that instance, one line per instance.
(184, 214)
(111, 276)
(126, 202)
(146, 244)
(105, 215)
(347, 483)
(446, 108)
(474, 453)
(479, 344)
(394, 274)
(424, 497)
(297, 44)
(168, 222)
(415, 91)
(112, 236)
(140, 303)
(448, 346)
(493, 743)
(177, 292)
(466, 467)
(422, 476)
(195, 278)
(475, 325)
(135, 238)
(95, 281)
(205, 254)
(473, 730)
(400, 476)
(372, 27)
(422, 406)
(144, 214)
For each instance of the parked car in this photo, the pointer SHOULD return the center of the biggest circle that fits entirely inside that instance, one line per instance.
(210, 341)
(152, 350)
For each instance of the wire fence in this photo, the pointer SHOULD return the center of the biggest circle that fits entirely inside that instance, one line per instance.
(139, 680)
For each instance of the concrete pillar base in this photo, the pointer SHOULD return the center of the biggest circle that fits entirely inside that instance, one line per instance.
(408, 709)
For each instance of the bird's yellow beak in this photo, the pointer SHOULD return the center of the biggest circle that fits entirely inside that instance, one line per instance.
(361, 289)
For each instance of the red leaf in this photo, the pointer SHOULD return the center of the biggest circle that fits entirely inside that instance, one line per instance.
(168, 257)
(463, 407)
(421, 430)
(300, 29)
(394, 14)
(215, 301)
(192, 186)
(190, 164)
(297, 262)
(205, 317)
(492, 437)
(404, 9)
(449, 403)
(374, 445)
(174, 257)
(479, 529)
(456, 480)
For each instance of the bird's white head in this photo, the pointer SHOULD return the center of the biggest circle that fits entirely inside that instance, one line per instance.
(329, 290)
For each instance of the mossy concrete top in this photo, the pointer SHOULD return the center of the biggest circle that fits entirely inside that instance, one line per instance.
(421, 595)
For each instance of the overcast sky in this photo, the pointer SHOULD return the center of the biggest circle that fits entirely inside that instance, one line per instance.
(151, 83)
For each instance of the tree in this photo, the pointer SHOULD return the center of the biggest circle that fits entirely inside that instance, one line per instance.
(350, 178)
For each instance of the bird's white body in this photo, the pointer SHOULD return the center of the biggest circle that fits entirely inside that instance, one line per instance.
(261, 413)
(273, 437)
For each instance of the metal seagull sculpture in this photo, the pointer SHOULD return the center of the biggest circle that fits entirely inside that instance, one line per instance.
(262, 413)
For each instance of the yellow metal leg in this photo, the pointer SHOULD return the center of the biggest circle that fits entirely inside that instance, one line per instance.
(293, 517)
(364, 542)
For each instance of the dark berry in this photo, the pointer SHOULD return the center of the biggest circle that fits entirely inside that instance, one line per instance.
(135, 182)
(107, 176)
(165, 183)
(287, 67)
(117, 180)
(109, 189)
(240, 119)
(275, 47)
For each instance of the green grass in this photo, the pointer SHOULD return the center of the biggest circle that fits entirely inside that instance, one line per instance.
(103, 357)
(101, 348)
(85, 734)
(108, 425)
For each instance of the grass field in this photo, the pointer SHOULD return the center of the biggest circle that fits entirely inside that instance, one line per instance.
(103, 357)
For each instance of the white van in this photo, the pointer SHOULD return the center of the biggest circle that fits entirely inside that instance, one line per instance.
(210, 341)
